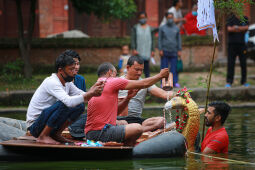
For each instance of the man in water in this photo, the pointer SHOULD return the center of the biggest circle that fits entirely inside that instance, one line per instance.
(216, 139)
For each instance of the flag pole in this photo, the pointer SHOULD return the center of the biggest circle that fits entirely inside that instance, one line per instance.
(208, 87)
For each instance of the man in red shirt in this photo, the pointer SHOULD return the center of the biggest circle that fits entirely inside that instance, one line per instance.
(190, 27)
(216, 139)
(102, 111)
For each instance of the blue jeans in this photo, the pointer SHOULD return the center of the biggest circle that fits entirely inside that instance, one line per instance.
(54, 117)
(170, 58)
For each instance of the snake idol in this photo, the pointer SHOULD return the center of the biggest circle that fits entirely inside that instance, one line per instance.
(172, 143)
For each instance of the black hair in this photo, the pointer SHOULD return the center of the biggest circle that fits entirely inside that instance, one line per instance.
(73, 54)
(104, 68)
(65, 59)
(77, 56)
(195, 5)
(221, 108)
(168, 13)
(175, 2)
(132, 60)
(142, 13)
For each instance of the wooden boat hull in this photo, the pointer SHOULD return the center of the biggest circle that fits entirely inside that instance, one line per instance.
(29, 150)
(169, 144)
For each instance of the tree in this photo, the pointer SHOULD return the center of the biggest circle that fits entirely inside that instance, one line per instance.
(25, 42)
(226, 7)
(106, 9)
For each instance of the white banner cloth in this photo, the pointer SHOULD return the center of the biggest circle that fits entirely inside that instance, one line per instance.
(206, 17)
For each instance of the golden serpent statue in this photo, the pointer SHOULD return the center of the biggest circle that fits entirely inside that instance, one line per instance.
(188, 122)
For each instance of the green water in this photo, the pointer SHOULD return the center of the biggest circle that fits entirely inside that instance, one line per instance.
(240, 126)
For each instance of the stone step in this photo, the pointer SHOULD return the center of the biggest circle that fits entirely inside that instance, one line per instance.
(22, 98)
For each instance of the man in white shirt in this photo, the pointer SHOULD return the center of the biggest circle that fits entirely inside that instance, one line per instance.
(131, 106)
(176, 10)
(58, 102)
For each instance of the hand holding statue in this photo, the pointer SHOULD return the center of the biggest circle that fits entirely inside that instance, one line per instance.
(164, 73)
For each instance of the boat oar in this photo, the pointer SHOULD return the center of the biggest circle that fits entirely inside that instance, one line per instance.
(208, 87)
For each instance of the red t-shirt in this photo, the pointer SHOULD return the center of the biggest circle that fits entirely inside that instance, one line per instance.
(217, 140)
(190, 25)
(103, 109)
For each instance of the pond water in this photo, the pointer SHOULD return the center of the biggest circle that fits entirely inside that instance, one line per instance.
(240, 126)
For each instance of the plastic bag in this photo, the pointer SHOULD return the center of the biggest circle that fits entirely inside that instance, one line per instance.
(179, 65)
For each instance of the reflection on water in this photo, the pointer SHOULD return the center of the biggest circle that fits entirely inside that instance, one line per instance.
(240, 126)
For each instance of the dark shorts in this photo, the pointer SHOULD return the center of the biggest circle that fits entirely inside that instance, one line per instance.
(131, 119)
(54, 117)
(76, 129)
(107, 134)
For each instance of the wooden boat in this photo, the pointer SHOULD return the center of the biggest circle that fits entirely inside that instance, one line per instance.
(170, 144)
(29, 150)
(161, 144)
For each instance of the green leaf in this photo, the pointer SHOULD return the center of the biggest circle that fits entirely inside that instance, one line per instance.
(106, 9)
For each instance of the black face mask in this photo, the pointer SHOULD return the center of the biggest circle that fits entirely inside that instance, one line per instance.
(67, 78)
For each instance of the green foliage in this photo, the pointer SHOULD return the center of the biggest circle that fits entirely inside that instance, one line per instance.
(13, 71)
(106, 9)
(232, 6)
(197, 40)
(201, 82)
(95, 42)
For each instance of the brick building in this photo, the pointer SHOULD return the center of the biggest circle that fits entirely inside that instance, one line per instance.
(56, 16)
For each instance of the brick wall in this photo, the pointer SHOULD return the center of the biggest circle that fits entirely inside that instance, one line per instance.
(8, 18)
(195, 56)
(53, 16)
(151, 7)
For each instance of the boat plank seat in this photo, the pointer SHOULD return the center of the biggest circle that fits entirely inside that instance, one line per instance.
(33, 144)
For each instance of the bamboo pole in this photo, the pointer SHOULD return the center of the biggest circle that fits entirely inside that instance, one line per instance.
(208, 87)
(220, 158)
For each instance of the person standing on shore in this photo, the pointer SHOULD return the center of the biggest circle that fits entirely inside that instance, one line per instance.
(142, 41)
(169, 44)
(236, 47)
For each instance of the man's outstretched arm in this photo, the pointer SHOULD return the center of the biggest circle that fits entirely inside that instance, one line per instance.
(160, 93)
(144, 83)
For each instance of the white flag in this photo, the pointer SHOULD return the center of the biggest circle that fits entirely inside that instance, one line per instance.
(206, 17)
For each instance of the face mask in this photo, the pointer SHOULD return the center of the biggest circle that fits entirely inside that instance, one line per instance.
(194, 13)
(143, 21)
(170, 22)
(67, 78)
